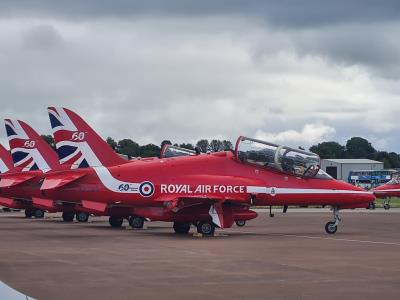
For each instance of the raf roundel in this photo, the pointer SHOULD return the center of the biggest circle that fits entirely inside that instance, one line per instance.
(146, 189)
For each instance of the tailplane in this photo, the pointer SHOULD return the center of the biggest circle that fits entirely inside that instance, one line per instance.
(77, 143)
(29, 150)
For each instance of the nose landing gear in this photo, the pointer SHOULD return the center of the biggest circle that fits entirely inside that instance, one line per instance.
(331, 227)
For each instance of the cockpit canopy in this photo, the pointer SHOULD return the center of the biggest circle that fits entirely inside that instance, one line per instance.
(282, 158)
(395, 180)
(174, 151)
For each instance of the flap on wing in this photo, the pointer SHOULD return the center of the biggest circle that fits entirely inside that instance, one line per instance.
(196, 198)
(43, 203)
(174, 203)
(9, 180)
(8, 202)
(54, 181)
(94, 206)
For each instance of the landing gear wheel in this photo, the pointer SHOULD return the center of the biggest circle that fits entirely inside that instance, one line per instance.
(136, 222)
(386, 206)
(28, 213)
(82, 216)
(38, 213)
(206, 228)
(330, 227)
(240, 223)
(68, 216)
(115, 222)
(181, 228)
(371, 205)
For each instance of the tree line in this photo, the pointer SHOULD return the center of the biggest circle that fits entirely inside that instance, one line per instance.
(130, 148)
(356, 147)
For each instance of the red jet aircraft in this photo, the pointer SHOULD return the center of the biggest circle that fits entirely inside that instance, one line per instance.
(206, 190)
(33, 158)
(6, 167)
(388, 190)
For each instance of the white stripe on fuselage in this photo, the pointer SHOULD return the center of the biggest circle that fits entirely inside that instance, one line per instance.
(291, 191)
(384, 191)
(113, 184)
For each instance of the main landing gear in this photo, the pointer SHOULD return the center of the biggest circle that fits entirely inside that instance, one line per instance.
(386, 203)
(82, 216)
(206, 228)
(136, 222)
(240, 223)
(116, 222)
(181, 228)
(331, 227)
(68, 216)
(34, 212)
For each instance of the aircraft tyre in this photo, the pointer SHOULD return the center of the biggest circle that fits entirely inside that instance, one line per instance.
(28, 213)
(330, 227)
(116, 222)
(82, 216)
(371, 205)
(206, 228)
(240, 223)
(38, 213)
(386, 206)
(68, 216)
(136, 222)
(181, 228)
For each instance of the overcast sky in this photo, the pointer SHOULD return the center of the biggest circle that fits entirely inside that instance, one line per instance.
(292, 72)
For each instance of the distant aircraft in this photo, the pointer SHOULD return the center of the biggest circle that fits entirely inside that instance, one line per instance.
(209, 191)
(388, 190)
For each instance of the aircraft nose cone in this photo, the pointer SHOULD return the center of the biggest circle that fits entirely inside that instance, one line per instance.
(384, 191)
(379, 188)
(357, 196)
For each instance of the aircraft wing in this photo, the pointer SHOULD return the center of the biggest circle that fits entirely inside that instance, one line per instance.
(174, 201)
(57, 180)
(9, 180)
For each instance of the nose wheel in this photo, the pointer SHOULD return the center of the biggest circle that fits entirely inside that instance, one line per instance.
(331, 227)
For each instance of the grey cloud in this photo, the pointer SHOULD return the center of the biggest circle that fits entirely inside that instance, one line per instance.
(42, 36)
(291, 13)
(151, 76)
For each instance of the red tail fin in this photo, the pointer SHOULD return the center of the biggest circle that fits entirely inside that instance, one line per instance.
(6, 162)
(29, 150)
(77, 143)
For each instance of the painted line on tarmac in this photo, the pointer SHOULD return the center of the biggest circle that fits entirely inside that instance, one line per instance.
(333, 239)
(339, 239)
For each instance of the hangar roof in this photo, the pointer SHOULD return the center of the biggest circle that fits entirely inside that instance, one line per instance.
(354, 161)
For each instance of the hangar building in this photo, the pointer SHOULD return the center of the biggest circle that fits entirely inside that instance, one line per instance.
(340, 168)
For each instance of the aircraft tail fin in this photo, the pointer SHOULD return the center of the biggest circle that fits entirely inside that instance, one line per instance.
(29, 150)
(77, 143)
(6, 162)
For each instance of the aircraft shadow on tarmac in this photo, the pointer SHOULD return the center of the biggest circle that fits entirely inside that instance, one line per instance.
(163, 231)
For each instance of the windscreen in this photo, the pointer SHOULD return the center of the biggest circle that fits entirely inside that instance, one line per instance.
(286, 159)
(395, 180)
(174, 151)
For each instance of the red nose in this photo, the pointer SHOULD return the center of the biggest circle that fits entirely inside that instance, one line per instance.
(356, 197)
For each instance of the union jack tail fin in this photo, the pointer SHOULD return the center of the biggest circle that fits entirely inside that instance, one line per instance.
(6, 162)
(77, 143)
(29, 150)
